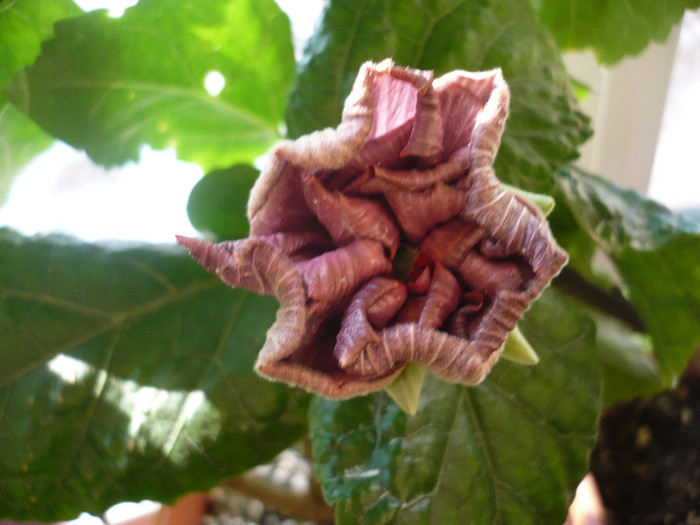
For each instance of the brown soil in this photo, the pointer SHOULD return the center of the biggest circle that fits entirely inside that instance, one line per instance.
(647, 458)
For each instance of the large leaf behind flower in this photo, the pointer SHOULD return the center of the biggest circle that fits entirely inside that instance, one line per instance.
(109, 85)
(544, 128)
(657, 253)
(612, 28)
(127, 374)
(511, 450)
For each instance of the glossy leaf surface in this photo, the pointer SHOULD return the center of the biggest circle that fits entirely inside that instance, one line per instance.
(657, 253)
(467, 456)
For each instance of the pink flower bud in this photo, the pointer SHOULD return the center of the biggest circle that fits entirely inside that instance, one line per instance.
(408, 170)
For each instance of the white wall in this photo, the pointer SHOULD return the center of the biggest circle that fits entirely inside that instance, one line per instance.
(646, 117)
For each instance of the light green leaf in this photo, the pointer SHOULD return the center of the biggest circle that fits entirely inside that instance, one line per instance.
(657, 254)
(127, 374)
(612, 28)
(24, 25)
(110, 85)
(511, 450)
(629, 369)
(544, 128)
(20, 140)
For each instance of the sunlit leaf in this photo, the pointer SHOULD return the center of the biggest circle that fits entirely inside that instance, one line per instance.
(612, 28)
(109, 85)
(23, 26)
(20, 140)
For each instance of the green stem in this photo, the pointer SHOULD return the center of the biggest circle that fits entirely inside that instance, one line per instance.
(613, 304)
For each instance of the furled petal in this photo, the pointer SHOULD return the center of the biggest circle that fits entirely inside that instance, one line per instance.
(419, 211)
(488, 275)
(442, 298)
(474, 109)
(450, 243)
(333, 275)
(424, 178)
(259, 267)
(351, 218)
(520, 228)
(425, 141)
(389, 239)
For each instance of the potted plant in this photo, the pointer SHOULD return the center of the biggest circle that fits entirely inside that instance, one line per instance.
(128, 369)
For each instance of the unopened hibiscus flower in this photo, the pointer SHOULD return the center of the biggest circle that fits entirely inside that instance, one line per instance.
(389, 240)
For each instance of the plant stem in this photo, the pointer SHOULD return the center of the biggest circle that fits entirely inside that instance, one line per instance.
(613, 304)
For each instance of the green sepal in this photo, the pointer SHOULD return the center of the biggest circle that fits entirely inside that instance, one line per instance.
(518, 349)
(543, 201)
(405, 389)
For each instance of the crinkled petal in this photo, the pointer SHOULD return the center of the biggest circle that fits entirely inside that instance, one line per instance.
(350, 218)
(333, 276)
(442, 298)
(474, 110)
(423, 178)
(411, 161)
(521, 229)
(261, 268)
(419, 211)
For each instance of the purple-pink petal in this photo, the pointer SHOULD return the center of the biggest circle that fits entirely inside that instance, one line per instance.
(411, 164)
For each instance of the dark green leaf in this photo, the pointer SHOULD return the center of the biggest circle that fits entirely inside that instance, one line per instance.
(612, 28)
(511, 450)
(217, 201)
(657, 253)
(544, 128)
(664, 287)
(127, 374)
(629, 369)
(577, 243)
(109, 85)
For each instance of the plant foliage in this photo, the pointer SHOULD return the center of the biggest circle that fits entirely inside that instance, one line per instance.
(124, 366)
